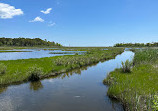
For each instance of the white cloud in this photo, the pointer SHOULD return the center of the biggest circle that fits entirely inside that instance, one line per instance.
(47, 11)
(37, 19)
(7, 11)
(52, 24)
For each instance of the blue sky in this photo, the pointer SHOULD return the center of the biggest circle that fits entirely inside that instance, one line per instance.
(81, 22)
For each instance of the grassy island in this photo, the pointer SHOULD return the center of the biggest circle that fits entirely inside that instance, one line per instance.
(16, 71)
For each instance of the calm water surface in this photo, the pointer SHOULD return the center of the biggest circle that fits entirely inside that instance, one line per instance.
(80, 90)
(34, 53)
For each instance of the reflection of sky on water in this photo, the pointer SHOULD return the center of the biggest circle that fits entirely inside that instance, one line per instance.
(35, 53)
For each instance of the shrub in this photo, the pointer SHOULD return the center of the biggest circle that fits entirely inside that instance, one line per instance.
(3, 68)
(76, 54)
(126, 66)
(34, 73)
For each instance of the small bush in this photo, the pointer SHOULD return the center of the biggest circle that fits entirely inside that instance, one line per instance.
(126, 66)
(3, 68)
(34, 73)
(76, 54)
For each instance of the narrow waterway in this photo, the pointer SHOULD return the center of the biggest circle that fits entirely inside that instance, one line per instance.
(80, 90)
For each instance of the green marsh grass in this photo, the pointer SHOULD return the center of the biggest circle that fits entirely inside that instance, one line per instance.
(3, 68)
(90, 57)
(137, 89)
(146, 56)
(126, 66)
(17, 70)
(34, 73)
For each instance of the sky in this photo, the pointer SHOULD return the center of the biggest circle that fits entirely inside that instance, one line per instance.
(81, 22)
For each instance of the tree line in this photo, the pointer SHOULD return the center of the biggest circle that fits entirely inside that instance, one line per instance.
(153, 44)
(26, 42)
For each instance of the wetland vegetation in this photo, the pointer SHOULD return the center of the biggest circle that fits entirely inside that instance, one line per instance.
(137, 88)
(153, 44)
(17, 70)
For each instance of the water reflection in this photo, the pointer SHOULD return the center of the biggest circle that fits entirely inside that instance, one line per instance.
(33, 53)
(116, 105)
(72, 72)
(36, 85)
(3, 89)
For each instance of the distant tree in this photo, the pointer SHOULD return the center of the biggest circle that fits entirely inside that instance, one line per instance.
(26, 42)
(154, 44)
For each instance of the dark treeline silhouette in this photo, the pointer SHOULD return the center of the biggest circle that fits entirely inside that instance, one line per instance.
(26, 42)
(154, 44)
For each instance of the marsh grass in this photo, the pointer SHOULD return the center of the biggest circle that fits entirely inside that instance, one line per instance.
(137, 89)
(74, 53)
(62, 53)
(126, 66)
(3, 68)
(78, 61)
(145, 56)
(34, 73)
(17, 70)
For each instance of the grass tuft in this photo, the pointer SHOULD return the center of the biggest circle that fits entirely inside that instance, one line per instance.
(3, 68)
(126, 66)
(34, 73)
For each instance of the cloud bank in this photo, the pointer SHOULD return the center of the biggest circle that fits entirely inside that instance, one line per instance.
(7, 11)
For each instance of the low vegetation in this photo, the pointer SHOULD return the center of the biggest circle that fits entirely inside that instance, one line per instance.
(139, 89)
(83, 60)
(3, 68)
(148, 56)
(126, 66)
(34, 73)
(17, 70)
(154, 44)
(66, 53)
